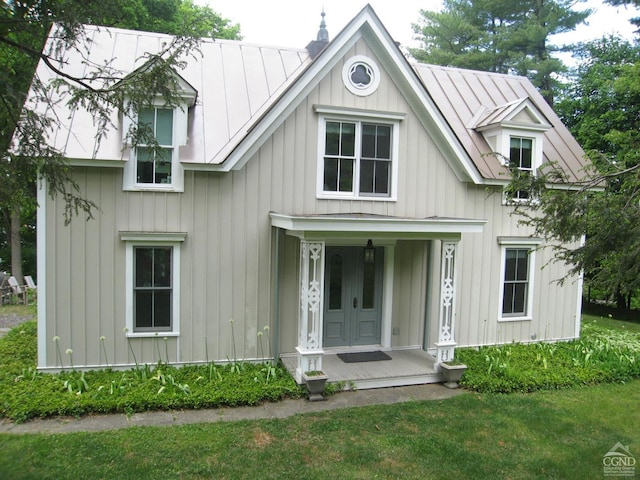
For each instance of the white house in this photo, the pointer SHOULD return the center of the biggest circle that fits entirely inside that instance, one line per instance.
(342, 196)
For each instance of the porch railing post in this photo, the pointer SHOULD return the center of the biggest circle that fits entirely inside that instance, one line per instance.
(445, 346)
(311, 307)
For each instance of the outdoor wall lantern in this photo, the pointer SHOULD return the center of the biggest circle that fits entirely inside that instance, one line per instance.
(369, 253)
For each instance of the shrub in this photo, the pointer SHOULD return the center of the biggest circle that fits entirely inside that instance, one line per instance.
(26, 393)
(600, 355)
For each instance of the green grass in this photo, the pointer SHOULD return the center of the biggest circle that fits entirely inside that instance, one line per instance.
(610, 322)
(559, 434)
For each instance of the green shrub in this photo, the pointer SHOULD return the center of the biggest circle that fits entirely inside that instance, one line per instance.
(600, 355)
(26, 393)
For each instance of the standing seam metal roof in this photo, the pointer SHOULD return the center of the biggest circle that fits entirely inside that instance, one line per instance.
(237, 83)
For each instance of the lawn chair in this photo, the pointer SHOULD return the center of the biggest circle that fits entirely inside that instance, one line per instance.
(5, 289)
(30, 283)
(31, 286)
(18, 291)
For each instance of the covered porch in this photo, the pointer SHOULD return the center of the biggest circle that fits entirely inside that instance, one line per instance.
(415, 358)
(407, 367)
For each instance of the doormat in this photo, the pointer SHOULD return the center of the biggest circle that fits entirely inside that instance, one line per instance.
(356, 357)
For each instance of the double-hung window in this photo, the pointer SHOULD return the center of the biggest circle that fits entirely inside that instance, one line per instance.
(521, 159)
(152, 288)
(357, 159)
(152, 276)
(516, 282)
(154, 150)
(518, 261)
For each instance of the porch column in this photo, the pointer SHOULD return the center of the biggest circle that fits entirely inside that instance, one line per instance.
(445, 346)
(310, 311)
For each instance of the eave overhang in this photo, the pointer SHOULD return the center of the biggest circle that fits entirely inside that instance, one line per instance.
(374, 226)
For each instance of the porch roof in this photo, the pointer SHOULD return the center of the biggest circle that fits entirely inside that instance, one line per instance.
(361, 224)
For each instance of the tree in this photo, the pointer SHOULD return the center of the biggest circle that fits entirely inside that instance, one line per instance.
(635, 21)
(601, 107)
(24, 29)
(498, 36)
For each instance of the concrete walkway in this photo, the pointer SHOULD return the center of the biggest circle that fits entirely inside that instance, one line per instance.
(282, 409)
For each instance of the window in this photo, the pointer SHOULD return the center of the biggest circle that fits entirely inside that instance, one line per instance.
(521, 158)
(153, 162)
(152, 283)
(361, 76)
(357, 158)
(152, 288)
(516, 282)
(518, 260)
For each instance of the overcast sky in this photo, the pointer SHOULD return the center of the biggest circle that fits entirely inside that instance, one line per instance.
(293, 23)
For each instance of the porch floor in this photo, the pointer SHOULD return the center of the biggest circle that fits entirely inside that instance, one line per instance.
(406, 367)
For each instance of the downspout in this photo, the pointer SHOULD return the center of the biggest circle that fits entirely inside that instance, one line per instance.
(275, 281)
(428, 293)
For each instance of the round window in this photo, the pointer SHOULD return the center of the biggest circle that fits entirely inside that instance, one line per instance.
(361, 76)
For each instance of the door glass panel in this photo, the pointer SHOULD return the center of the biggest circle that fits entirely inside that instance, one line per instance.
(335, 282)
(368, 285)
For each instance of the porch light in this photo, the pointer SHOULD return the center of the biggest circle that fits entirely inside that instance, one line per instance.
(369, 253)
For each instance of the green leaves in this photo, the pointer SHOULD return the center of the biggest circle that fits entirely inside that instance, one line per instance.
(27, 393)
(601, 355)
(498, 36)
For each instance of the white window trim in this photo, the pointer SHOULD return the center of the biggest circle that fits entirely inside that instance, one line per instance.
(179, 138)
(530, 244)
(356, 117)
(143, 239)
(364, 90)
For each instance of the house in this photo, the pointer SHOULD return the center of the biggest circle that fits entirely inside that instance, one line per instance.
(337, 198)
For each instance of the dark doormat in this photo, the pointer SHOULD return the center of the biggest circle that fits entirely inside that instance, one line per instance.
(356, 357)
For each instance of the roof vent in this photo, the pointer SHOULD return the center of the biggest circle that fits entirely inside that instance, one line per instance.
(322, 39)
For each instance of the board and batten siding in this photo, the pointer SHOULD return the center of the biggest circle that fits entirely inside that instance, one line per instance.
(226, 258)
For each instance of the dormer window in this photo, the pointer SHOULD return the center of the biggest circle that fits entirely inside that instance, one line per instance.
(153, 137)
(521, 159)
(515, 133)
(154, 162)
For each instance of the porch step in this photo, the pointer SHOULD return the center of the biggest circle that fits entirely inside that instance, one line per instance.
(406, 367)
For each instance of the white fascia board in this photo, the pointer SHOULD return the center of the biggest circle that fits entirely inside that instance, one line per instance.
(153, 237)
(423, 101)
(90, 162)
(301, 87)
(41, 260)
(366, 224)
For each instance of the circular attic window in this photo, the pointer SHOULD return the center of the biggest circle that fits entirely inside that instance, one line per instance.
(361, 75)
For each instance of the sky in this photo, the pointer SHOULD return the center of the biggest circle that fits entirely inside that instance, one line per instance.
(294, 23)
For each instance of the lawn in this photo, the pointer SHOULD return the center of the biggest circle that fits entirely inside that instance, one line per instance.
(551, 433)
(554, 434)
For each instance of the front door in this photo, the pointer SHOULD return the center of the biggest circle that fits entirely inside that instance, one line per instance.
(352, 297)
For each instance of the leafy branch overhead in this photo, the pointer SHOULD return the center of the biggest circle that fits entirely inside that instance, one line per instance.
(28, 131)
(602, 109)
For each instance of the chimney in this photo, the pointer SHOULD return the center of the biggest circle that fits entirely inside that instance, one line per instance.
(322, 39)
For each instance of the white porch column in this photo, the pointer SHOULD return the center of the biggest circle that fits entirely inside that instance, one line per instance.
(311, 307)
(445, 346)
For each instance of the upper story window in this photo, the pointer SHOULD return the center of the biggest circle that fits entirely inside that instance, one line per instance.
(361, 75)
(153, 136)
(357, 158)
(515, 133)
(357, 154)
(154, 160)
(521, 159)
